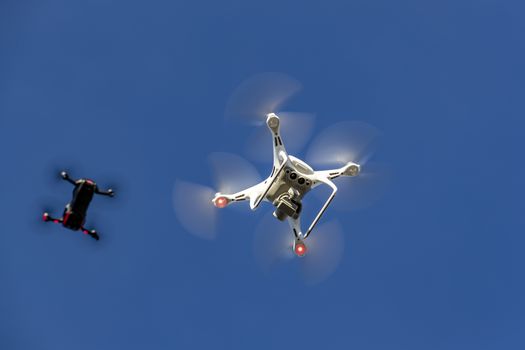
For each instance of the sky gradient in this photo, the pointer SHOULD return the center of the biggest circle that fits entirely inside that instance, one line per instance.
(134, 93)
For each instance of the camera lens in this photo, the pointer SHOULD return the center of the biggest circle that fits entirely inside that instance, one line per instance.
(293, 176)
(301, 181)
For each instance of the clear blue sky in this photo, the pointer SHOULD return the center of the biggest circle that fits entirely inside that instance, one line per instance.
(134, 92)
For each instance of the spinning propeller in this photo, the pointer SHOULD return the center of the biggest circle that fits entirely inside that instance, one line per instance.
(320, 256)
(268, 93)
(193, 202)
(350, 141)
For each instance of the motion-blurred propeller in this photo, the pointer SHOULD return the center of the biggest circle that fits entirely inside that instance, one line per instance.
(267, 93)
(194, 209)
(259, 95)
(340, 143)
(273, 242)
(344, 142)
(325, 251)
(296, 131)
(193, 202)
(232, 173)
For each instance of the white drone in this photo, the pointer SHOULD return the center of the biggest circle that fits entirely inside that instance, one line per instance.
(344, 146)
(289, 181)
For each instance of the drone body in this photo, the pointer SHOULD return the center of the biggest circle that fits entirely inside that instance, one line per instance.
(75, 212)
(290, 180)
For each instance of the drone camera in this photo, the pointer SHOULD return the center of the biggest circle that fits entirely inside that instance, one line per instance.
(287, 206)
(300, 248)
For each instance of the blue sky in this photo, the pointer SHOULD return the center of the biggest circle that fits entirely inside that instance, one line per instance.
(134, 93)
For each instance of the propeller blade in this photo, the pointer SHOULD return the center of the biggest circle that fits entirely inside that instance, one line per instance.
(325, 252)
(296, 131)
(348, 141)
(363, 190)
(359, 192)
(273, 242)
(232, 173)
(259, 95)
(193, 208)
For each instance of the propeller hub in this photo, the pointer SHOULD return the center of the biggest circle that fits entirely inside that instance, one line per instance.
(352, 169)
(272, 120)
(300, 249)
(221, 202)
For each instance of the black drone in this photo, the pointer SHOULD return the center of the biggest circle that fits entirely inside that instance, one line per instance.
(74, 215)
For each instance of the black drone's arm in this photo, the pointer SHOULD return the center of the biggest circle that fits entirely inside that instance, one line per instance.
(108, 193)
(325, 206)
(92, 233)
(66, 177)
(48, 218)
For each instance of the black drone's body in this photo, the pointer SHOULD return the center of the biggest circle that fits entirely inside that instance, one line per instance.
(75, 213)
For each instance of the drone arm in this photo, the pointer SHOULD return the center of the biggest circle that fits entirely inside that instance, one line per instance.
(350, 169)
(271, 180)
(234, 197)
(48, 218)
(255, 194)
(330, 174)
(325, 206)
(92, 233)
(221, 199)
(66, 177)
(108, 193)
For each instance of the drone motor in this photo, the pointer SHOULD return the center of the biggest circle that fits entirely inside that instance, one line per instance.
(221, 202)
(300, 248)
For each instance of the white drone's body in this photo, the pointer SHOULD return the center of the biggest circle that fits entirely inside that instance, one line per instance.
(289, 181)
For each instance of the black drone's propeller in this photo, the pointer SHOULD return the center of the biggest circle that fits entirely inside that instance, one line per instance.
(273, 242)
(267, 93)
(344, 142)
(193, 202)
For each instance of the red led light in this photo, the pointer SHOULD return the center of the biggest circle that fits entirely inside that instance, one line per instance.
(221, 202)
(45, 217)
(300, 249)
